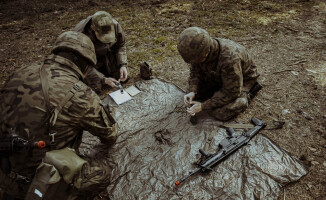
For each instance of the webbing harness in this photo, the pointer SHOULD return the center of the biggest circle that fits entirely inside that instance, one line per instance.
(52, 114)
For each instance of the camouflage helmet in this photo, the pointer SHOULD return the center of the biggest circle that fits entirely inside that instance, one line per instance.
(76, 42)
(194, 44)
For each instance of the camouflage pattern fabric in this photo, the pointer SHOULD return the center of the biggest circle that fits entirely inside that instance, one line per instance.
(76, 42)
(22, 110)
(194, 44)
(230, 110)
(110, 57)
(103, 26)
(223, 77)
(95, 77)
(96, 176)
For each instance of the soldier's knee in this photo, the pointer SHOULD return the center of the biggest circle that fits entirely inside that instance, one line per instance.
(238, 105)
(231, 110)
(96, 176)
(222, 116)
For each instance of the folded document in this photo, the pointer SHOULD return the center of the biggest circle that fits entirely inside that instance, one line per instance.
(132, 90)
(122, 96)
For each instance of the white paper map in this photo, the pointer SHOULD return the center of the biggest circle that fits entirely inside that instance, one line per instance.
(132, 90)
(119, 97)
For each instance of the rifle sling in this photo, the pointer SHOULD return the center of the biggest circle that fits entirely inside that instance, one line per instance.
(45, 88)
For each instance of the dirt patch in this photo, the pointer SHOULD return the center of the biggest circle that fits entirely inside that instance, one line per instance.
(286, 38)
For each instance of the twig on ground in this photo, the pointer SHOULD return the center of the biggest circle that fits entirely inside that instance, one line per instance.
(251, 38)
(275, 89)
(283, 193)
(291, 29)
(260, 101)
(288, 70)
(285, 70)
(298, 62)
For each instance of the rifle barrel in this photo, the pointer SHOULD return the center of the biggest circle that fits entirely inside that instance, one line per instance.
(178, 182)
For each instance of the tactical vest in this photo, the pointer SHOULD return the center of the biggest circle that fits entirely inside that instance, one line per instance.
(59, 168)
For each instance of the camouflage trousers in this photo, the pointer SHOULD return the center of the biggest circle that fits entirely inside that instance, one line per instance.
(95, 177)
(230, 110)
(206, 90)
(92, 180)
(12, 186)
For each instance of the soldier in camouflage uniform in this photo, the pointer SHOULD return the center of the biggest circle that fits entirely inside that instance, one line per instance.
(109, 42)
(40, 100)
(221, 74)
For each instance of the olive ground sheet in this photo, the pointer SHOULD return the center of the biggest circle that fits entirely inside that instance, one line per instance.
(157, 145)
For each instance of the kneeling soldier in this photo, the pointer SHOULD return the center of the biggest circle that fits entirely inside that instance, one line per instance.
(221, 74)
(109, 41)
(52, 104)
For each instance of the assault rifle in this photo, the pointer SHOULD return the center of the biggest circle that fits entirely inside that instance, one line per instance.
(227, 146)
(13, 144)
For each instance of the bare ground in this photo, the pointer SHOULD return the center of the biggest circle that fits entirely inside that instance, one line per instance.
(286, 38)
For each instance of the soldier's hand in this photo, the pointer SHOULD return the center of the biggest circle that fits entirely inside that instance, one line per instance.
(195, 108)
(111, 82)
(188, 98)
(123, 74)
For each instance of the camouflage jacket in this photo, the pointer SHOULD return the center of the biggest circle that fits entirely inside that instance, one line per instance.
(23, 110)
(231, 70)
(118, 49)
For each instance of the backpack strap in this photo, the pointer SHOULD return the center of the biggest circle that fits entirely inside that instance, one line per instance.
(45, 88)
(56, 111)
(53, 113)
